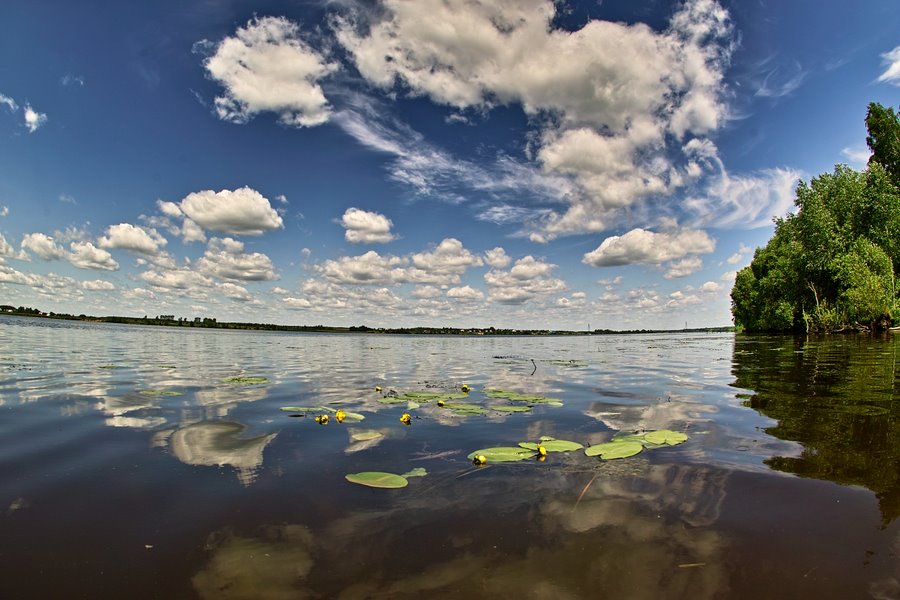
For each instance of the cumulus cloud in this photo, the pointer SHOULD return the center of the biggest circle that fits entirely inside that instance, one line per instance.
(33, 119)
(236, 292)
(97, 285)
(131, 237)
(243, 211)
(614, 120)
(225, 258)
(497, 258)
(267, 66)
(85, 255)
(425, 292)
(892, 71)
(43, 245)
(526, 280)
(444, 264)
(364, 227)
(182, 279)
(642, 246)
(369, 268)
(7, 250)
(465, 294)
(684, 267)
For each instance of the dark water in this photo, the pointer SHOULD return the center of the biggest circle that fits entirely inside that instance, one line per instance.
(788, 487)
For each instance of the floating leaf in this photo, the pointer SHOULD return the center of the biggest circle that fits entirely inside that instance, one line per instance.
(391, 400)
(161, 393)
(665, 436)
(247, 380)
(365, 435)
(517, 397)
(612, 450)
(352, 416)
(503, 454)
(546, 438)
(552, 445)
(412, 405)
(417, 472)
(511, 408)
(378, 479)
(423, 396)
(302, 408)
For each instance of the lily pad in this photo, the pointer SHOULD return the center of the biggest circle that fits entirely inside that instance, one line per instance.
(504, 454)
(511, 409)
(465, 409)
(161, 393)
(247, 380)
(412, 405)
(392, 400)
(665, 436)
(302, 408)
(378, 479)
(364, 436)
(613, 450)
(417, 472)
(352, 416)
(517, 397)
(422, 396)
(552, 445)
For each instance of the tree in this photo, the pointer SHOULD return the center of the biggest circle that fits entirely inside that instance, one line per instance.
(883, 125)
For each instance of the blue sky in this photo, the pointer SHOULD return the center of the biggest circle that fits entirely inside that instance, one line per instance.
(439, 162)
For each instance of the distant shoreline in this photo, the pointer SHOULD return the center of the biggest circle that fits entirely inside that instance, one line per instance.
(207, 323)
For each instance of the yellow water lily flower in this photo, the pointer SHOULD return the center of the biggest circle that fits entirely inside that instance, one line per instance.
(465, 388)
(340, 416)
(480, 459)
(322, 419)
(440, 403)
(406, 419)
(378, 388)
(542, 451)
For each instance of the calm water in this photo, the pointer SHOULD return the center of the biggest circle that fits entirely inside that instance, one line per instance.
(788, 487)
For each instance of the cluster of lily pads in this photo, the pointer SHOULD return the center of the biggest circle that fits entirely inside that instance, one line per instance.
(621, 446)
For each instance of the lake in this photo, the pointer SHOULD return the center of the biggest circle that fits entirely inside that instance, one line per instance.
(132, 464)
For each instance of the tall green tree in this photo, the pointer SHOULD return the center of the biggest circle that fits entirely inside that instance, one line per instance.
(883, 125)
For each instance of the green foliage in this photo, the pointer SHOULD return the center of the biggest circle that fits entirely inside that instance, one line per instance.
(834, 263)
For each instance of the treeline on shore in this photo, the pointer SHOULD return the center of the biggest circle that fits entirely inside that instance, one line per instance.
(210, 323)
(833, 264)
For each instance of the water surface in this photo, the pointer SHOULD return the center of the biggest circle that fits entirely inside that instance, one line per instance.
(129, 466)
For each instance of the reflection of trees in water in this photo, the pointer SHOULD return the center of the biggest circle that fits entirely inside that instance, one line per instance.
(836, 396)
(640, 531)
(217, 443)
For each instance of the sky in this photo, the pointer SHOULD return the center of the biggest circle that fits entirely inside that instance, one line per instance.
(462, 163)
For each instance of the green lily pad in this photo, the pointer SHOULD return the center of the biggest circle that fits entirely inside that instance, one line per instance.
(503, 454)
(392, 400)
(511, 408)
(417, 472)
(517, 397)
(161, 393)
(352, 416)
(378, 479)
(552, 445)
(301, 408)
(422, 396)
(613, 450)
(412, 405)
(665, 436)
(365, 436)
(247, 380)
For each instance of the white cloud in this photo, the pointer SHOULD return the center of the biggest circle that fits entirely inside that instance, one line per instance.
(364, 227)
(425, 292)
(614, 119)
(497, 258)
(465, 294)
(528, 279)
(9, 102)
(268, 67)
(176, 279)
(369, 268)
(4, 211)
(684, 267)
(892, 72)
(97, 285)
(444, 264)
(243, 211)
(226, 259)
(642, 246)
(85, 255)
(33, 119)
(738, 256)
(43, 245)
(131, 237)
(236, 292)
(7, 250)
(70, 79)
(858, 155)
